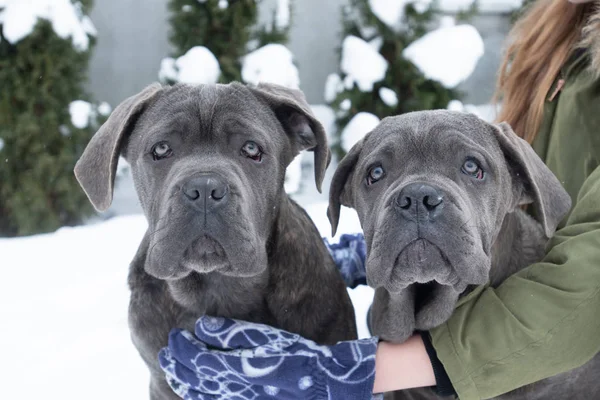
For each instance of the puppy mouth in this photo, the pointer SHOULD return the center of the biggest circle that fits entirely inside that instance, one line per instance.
(205, 255)
(424, 294)
(421, 262)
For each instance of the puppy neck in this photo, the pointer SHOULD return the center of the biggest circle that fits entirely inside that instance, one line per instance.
(519, 243)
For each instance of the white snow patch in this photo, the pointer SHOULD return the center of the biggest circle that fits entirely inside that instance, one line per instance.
(487, 112)
(186, 8)
(71, 322)
(272, 63)
(104, 108)
(376, 43)
(197, 66)
(447, 21)
(448, 55)
(64, 130)
(388, 96)
(80, 113)
(362, 63)
(326, 116)
(88, 26)
(391, 12)
(1, 144)
(223, 4)
(487, 6)
(19, 17)
(348, 83)
(346, 104)
(123, 167)
(167, 71)
(293, 175)
(282, 14)
(361, 124)
(333, 86)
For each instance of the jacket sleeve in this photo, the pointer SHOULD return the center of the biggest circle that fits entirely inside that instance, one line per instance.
(540, 322)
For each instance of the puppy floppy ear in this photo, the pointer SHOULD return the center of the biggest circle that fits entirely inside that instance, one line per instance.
(340, 191)
(536, 184)
(294, 113)
(96, 168)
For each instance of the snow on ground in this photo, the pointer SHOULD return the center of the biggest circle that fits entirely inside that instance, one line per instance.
(361, 124)
(391, 12)
(486, 6)
(272, 63)
(80, 111)
(19, 17)
(448, 55)
(293, 175)
(362, 63)
(64, 311)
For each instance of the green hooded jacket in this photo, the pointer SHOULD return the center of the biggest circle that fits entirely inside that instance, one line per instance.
(544, 320)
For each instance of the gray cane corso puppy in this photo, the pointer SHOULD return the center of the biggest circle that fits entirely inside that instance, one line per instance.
(223, 238)
(438, 194)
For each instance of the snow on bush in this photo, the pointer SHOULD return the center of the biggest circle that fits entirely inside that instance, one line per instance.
(104, 108)
(448, 55)
(391, 12)
(272, 63)
(197, 66)
(333, 86)
(282, 14)
(357, 128)
(388, 96)
(361, 63)
(80, 111)
(487, 112)
(326, 117)
(491, 6)
(19, 17)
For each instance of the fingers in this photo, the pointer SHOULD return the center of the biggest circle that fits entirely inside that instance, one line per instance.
(230, 334)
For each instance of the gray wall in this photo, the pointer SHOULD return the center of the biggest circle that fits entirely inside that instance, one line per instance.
(132, 40)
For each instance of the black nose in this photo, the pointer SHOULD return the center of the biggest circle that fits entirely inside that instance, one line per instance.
(420, 200)
(206, 192)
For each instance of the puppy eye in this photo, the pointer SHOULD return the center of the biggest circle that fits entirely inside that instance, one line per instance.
(472, 168)
(375, 174)
(161, 150)
(252, 150)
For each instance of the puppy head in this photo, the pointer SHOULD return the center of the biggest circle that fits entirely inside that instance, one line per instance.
(431, 190)
(208, 163)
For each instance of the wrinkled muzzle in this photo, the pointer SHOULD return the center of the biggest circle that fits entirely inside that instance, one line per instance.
(207, 221)
(423, 235)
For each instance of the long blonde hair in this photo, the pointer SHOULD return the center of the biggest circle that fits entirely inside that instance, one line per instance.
(540, 43)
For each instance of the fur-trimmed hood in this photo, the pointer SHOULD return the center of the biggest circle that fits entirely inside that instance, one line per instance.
(591, 36)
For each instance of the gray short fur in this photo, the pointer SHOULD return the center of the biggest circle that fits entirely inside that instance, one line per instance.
(249, 252)
(424, 254)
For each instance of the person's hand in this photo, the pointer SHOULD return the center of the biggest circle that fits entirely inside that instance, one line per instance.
(230, 359)
(349, 255)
